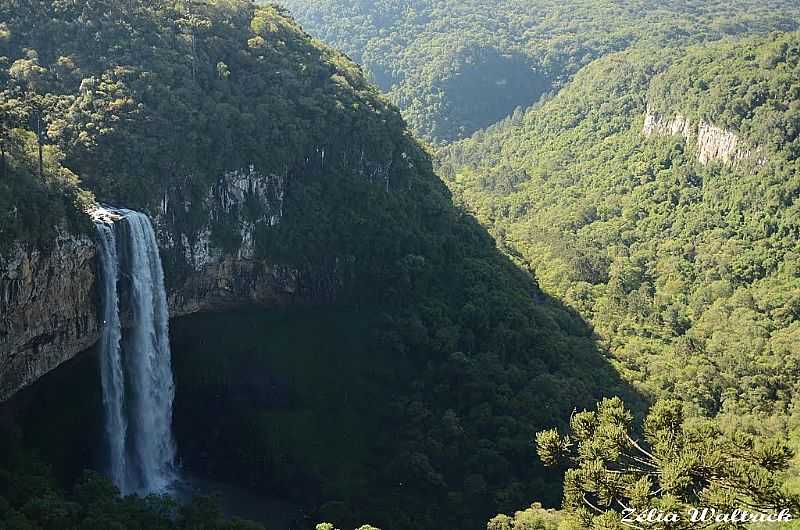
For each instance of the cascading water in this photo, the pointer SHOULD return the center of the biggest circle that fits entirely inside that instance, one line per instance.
(136, 369)
(111, 373)
(149, 360)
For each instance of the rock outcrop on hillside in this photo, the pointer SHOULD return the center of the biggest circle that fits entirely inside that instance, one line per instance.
(713, 143)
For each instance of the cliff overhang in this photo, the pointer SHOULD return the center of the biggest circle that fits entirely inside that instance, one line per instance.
(49, 298)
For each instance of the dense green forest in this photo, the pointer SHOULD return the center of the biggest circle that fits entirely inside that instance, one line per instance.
(125, 99)
(688, 272)
(620, 259)
(456, 66)
(134, 96)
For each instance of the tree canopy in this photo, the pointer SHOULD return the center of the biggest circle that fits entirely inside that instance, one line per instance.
(686, 270)
(614, 480)
(457, 66)
(140, 98)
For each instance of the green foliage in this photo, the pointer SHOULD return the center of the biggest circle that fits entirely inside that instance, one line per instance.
(688, 272)
(401, 430)
(677, 467)
(455, 66)
(34, 208)
(751, 88)
(152, 99)
(30, 499)
(203, 513)
(533, 518)
(329, 526)
(162, 93)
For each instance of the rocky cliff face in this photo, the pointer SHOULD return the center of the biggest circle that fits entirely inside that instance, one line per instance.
(49, 304)
(713, 143)
(209, 246)
(48, 308)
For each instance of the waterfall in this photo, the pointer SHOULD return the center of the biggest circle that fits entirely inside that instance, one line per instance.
(149, 359)
(136, 369)
(111, 373)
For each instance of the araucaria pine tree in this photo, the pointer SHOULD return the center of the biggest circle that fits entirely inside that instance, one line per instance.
(681, 475)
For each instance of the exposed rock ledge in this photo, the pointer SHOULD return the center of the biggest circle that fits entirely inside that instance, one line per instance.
(713, 143)
(49, 303)
(204, 277)
(47, 308)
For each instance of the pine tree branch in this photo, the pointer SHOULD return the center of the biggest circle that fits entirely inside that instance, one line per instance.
(637, 446)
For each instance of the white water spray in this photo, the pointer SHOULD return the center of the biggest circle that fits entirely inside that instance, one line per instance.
(111, 373)
(136, 366)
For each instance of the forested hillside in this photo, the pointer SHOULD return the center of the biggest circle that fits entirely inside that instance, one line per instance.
(134, 96)
(464, 356)
(456, 66)
(684, 260)
(646, 207)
